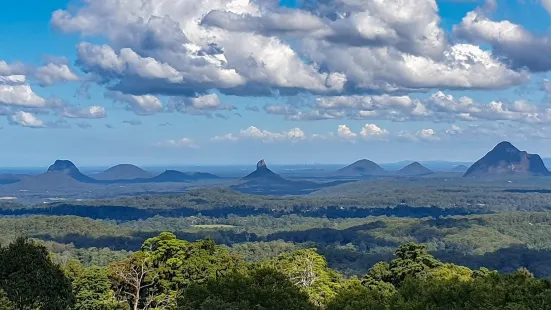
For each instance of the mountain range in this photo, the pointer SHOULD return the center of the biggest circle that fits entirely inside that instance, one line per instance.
(65, 173)
(503, 160)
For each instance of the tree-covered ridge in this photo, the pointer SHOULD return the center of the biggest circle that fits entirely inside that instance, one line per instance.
(444, 193)
(503, 242)
(173, 274)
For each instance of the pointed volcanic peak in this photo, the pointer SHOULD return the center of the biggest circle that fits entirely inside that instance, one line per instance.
(123, 172)
(67, 168)
(362, 167)
(262, 172)
(506, 159)
(414, 169)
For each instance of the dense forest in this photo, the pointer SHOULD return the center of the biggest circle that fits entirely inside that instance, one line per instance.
(456, 246)
(503, 242)
(169, 273)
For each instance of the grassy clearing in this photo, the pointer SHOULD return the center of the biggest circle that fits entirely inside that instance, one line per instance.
(213, 226)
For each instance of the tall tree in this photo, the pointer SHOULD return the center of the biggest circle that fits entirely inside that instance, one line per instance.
(31, 280)
(258, 289)
(134, 279)
(92, 290)
(308, 270)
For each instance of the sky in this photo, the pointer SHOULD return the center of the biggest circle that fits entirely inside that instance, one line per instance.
(221, 82)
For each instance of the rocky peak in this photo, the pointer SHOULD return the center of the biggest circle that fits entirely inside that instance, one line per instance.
(505, 158)
(261, 165)
(65, 166)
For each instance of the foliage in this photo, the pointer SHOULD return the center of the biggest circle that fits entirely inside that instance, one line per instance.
(261, 288)
(30, 280)
(309, 271)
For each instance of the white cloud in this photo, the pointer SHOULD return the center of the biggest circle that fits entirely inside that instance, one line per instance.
(520, 47)
(93, 112)
(372, 130)
(202, 105)
(427, 135)
(185, 48)
(227, 137)
(54, 73)
(179, 143)
(294, 134)
(439, 107)
(344, 132)
(13, 69)
(141, 105)
(25, 119)
(15, 92)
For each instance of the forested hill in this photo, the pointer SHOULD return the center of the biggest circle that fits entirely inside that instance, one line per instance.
(168, 273)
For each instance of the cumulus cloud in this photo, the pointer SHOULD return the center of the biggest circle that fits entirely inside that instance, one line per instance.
(25, 119)
(438, 107)
(53, 73)
(179, 143)
(426, 135)
(14, 91)
(294, 134)
(344, 132)
(11, 69)
(373, 131)
(92, 112)
(254, 133)
(521, 48)
(202, 105)
(141, 105)
(227, 137)
(188, 48)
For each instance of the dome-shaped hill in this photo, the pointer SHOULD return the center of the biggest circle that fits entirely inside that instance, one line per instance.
(414, 169)
(362, 167)
(123, 172)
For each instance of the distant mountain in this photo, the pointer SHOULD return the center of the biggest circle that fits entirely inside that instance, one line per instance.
(460, 168)
(177, 176)
(506, 159)
(10, 178)
(123, 172)
(414, 169)
(264, 174)
(362, 167)
(265, 181)
(67, 168)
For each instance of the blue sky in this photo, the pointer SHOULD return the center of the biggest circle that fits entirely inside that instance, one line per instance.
(234, 82)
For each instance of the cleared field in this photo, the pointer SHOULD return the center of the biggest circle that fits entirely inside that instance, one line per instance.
(214, 226)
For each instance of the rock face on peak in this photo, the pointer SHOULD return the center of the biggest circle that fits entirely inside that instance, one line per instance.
(362, 167)
(66, 167)
(506, 159)
(414, 169)
(261, 164)
(123, 172)
(262, 172)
